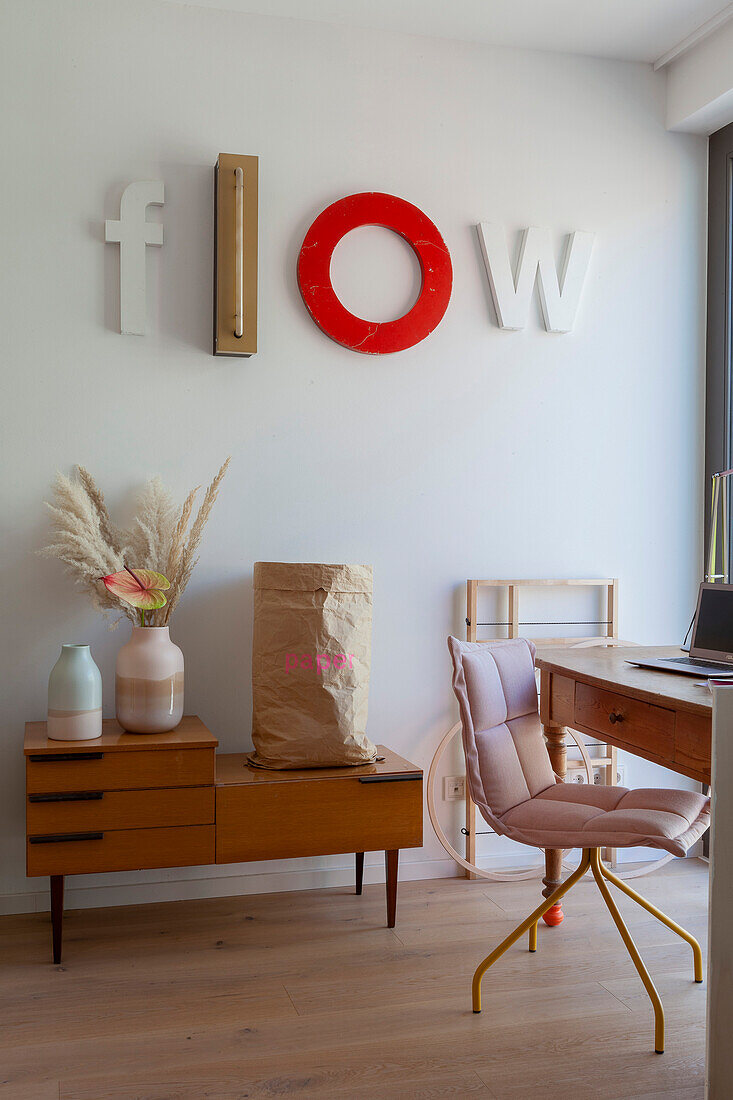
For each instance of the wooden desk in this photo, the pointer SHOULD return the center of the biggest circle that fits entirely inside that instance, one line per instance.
(130, 801)
(661, 716)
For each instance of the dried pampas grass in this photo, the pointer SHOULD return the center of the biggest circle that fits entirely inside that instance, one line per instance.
(90, 545)
(153, 527)
(178, 543)
(185, 560)
(112, 535)
(83, 539)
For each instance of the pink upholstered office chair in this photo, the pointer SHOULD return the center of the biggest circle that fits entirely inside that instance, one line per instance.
(512, 782)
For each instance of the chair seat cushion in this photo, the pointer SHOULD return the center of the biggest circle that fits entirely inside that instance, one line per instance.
(580, 816)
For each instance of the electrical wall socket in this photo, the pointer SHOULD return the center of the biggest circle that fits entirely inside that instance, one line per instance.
(454, 788)
(599, 778)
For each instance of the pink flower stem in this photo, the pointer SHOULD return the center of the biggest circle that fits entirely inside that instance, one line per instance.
(135, 577)
(142, 586)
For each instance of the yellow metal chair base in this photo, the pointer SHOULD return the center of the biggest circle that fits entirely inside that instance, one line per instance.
(591, 858)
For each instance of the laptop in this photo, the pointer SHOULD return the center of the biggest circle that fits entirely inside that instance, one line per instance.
(711, 649)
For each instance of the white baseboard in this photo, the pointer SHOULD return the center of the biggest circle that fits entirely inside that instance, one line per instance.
(79, 896)
(222, 885)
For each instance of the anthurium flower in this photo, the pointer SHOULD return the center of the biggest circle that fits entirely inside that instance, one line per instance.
(142, 588)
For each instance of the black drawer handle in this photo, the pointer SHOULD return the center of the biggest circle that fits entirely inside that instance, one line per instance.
(53, 757)
(71, 796)
(614, 718)
(387, 778)
(64, 838)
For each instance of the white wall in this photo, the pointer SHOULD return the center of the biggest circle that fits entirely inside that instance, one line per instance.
(700, 84)
(476, 453)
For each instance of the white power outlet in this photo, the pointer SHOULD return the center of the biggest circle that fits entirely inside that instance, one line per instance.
(454, 788)
(578, 774)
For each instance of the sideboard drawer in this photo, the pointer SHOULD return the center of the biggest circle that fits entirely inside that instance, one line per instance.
(81, 811)
(624, 718)
(317, 817)
(93, 851)
(118, 771)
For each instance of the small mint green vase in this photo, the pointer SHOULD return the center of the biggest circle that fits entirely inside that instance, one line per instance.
(75, 696)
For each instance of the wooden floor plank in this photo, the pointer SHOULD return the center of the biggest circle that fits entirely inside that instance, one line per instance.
(35, 1090)
(310, 995)
(372, 1082)
(677, 984)
(619, 1064)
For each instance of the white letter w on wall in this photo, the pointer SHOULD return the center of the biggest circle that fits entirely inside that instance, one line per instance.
(559, 296)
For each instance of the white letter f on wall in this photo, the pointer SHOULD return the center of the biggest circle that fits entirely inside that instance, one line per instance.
(559, 295)
(133, 233)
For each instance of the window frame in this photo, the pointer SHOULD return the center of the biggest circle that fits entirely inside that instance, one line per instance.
(719, 341)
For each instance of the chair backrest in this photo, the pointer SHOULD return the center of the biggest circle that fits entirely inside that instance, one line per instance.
(506, 758)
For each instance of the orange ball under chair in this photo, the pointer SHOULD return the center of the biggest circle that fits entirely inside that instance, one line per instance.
(511, 780)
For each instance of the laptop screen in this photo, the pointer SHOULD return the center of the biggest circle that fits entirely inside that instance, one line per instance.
(714, 626)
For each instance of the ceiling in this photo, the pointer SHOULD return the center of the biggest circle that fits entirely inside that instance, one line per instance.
(635, 30)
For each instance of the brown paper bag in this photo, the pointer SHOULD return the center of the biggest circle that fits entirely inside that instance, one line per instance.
(310, 665)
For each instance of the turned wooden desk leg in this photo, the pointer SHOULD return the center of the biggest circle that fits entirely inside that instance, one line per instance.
(470, 832)
(57, 914)
(706, 835)
(555, 737)
(391, 860)
(359, 871)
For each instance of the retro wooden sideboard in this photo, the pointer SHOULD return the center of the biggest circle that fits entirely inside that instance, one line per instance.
(131, 801)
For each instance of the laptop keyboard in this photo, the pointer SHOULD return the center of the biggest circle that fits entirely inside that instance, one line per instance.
(700, 664)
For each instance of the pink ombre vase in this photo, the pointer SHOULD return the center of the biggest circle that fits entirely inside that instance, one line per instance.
(149, 682)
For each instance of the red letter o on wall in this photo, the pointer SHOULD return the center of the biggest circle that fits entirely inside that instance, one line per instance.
(314, 273)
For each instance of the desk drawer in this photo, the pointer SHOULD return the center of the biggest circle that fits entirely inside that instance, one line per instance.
(562, 700)
(76, 812)
(693, 745)
(93, 851)
(118, 771)
(625, 719)
(316, 817)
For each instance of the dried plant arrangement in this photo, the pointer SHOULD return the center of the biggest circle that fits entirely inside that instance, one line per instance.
(162, 542)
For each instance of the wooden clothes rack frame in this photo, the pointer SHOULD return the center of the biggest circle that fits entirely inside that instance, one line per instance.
(608, 761)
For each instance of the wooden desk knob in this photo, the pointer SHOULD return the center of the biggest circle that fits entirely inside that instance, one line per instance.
(614, 718)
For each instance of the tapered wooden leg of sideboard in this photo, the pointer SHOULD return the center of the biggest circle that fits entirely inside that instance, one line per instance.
(391, 861)
(57, 914)
(359, 871)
